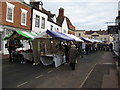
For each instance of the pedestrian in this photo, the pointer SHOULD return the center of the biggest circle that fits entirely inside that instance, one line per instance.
(111, 47)
(66, 53)
(11, 49)
(72, 55)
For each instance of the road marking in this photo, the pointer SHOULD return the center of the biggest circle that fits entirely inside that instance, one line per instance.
(87, 76)
(107, 63)
(22, 84)
(39, 76)
(50, 71)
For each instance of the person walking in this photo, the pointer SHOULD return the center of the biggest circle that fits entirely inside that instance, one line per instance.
(72, 55)
(66, 53)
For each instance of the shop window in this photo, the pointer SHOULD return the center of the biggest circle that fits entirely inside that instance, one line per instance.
(10, 12)
(37, 21)
(23, 16)
(43, 23)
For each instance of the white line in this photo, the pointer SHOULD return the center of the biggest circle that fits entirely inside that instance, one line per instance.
(107, 63)
(39, 76)
(87, 76)
(22, 84)
(50, 71)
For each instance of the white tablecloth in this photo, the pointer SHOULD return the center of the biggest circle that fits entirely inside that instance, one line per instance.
(28, 56)
(57, 59)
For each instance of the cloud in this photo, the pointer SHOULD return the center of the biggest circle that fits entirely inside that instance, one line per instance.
(86, 14)
(80, 1)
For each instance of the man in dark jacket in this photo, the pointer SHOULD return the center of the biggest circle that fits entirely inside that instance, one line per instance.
(72, 55)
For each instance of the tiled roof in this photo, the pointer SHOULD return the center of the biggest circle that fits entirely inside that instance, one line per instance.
(99, 32)
(60, 20)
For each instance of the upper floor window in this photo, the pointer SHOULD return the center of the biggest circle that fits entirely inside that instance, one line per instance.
(37, 21)
(10, 12)
(23, 16)
(43, 23)
(51, 27)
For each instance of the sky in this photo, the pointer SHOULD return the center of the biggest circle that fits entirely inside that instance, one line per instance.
(86, 14)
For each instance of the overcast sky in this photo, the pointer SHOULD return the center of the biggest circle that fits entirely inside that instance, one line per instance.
(85, 14)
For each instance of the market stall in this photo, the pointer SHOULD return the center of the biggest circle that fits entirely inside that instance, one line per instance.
(50, 49)
(19, 44)
(52, 45)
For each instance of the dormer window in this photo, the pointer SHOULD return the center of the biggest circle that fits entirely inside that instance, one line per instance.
(10, 12)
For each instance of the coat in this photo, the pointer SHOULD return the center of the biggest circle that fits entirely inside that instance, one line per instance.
(73, 54)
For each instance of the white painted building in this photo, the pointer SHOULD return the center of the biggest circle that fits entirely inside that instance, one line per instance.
(64, 26)
(53, 26)
(39, 21)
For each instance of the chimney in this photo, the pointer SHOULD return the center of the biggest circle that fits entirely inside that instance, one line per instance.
(61, 12)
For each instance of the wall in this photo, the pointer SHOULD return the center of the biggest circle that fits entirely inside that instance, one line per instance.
(36, 29)
(54, 26)
(17, 15)
(64, 26)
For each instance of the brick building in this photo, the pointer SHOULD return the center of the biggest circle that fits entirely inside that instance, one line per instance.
(15, 16)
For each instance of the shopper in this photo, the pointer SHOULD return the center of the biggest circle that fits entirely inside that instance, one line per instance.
(72, 55)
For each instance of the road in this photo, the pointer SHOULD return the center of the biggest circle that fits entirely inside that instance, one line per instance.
(16, 75)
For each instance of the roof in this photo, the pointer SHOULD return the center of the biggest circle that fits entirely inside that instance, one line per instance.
(99, 32)
(61, 19)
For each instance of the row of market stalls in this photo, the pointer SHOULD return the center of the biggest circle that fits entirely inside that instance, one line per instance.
(47, 47)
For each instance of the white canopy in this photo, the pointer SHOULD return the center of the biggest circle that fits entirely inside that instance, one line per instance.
(74, 37)
(41, 35)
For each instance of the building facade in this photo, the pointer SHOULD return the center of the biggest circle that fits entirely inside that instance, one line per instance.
(29, 15)
(101, 35)
(42, 19)
(65, 22)
(15, 16)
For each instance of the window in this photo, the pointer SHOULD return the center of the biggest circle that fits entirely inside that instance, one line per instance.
(105, 39)
(10, 12)
(64, 31)
(23, 16)
(43, 23)
(51, 27)
(37, 21)
(79, 34)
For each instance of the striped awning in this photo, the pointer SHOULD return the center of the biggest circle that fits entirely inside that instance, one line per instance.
(21, 35)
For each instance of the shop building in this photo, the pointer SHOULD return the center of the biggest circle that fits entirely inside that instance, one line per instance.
(101, 35)
(15, 16)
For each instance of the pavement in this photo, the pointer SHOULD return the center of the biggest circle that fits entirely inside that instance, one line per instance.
(104, 74)
(2, 57)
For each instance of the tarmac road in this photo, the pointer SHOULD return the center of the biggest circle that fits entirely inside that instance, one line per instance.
(17, 75)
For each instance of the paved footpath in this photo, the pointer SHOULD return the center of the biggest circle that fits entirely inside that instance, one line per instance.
(104, 74)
